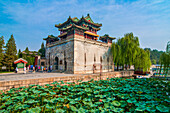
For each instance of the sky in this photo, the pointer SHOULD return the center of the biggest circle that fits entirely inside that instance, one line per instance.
(32, 20)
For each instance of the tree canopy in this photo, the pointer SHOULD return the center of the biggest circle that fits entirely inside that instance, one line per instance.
(1, 50)
(41, 51)
(10, 53)
(154, 55)
(126, 52)
(165, 60)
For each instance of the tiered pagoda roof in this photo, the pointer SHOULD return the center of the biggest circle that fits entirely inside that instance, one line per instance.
(78, 23)
(50, 37)
(106, 37)
(84, 26)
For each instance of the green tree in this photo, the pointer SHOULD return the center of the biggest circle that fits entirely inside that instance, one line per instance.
(27, 50)
(10, 53)
(127, 47)
(142, 60)
(126, 52)
(131, 44)
(41, 51)
(19, 54)
(153, 61)
(165, 63)
(1, 50)
(154, 55)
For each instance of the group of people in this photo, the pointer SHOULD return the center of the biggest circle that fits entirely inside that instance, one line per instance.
(45, 69)
(42, 68)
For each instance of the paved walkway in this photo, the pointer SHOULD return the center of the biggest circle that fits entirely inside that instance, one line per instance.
(15, 76)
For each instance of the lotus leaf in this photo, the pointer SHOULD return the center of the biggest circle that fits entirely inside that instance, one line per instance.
(162, 108)
(132, 100)
(47, 106)
(34, 110)
(96, 96)
(123, 103)
(98, 103)
(59, 111)
(30, 101)
(151, 109)
(116, 103)
(107, 105)
(52, 93)
(140, 108)
(72, 102)
(43, 94)
(118, 110)
(8, 102)
(74, 109)
(78, 99)
(167, 100)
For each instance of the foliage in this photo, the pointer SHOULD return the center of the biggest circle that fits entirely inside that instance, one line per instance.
(41, 51)
(19, 54)
(27, 50)
(1, 50)
(126, 52)
(165, 63)
(28, 56)
(142, 60)
(116, 54)
(154, 55)
(168, 47)
(112, 95)
(10, 53)
(153, 61)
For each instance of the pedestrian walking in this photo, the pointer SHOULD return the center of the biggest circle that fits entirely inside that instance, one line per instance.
(16, 70)
(24, 70)
(51, 68)
(33, 69)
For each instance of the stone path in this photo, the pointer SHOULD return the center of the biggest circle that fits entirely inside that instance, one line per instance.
(14, 76)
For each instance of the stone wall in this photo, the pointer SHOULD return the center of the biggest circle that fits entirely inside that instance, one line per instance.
(6, 85)
(81, 55)
(88, 53)
(63, 53)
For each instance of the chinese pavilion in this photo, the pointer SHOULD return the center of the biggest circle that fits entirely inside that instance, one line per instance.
(77, 48)
(21, 63)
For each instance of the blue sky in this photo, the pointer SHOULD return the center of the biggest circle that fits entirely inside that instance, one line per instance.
(32, 20)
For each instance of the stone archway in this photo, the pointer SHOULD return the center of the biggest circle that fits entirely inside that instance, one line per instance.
(65, 64)
(56, 62)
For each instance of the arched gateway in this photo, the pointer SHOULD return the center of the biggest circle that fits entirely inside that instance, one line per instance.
(56, 63)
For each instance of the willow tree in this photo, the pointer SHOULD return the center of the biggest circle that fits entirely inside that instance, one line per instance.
(142, 60)
(165, 63)
(116, 53)
(126, 52)
(129, 45)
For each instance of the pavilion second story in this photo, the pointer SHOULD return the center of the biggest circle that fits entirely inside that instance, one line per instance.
(84, 28)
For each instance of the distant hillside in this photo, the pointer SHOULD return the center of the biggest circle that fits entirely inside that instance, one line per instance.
(154, 55)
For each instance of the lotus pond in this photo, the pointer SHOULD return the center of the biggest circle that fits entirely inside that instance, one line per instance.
(103, 96)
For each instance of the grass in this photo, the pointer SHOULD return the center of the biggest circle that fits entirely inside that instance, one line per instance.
(6, 72)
